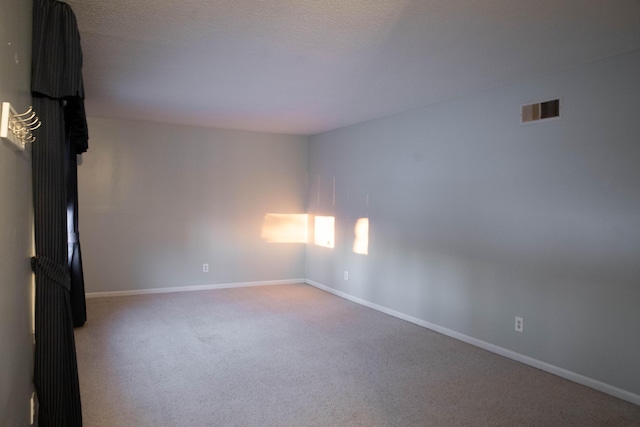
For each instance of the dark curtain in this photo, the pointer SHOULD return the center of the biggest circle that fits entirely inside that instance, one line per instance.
(58, 95)
(76, 143)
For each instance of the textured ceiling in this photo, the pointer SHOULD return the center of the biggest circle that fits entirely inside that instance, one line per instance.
(308, 66)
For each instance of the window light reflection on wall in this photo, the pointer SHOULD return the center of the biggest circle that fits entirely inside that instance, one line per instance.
(361, 240)
(324, 231)
(285, 228)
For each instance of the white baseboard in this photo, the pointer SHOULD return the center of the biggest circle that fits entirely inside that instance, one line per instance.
(192, 288)
(569, 375)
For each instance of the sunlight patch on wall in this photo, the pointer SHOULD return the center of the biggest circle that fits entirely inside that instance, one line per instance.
(361, 240)
(285, 228)
(324, 233)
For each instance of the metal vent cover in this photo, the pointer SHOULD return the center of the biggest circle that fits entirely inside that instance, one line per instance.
(538, 111)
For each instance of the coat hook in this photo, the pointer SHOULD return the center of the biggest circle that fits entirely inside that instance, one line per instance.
(18, 128)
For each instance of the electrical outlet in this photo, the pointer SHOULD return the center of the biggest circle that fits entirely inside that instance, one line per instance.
(205, 268)
(346, 275)
(519, 324)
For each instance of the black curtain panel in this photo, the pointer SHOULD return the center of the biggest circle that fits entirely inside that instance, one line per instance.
(76, 143)
(58, 95)
(55, 367)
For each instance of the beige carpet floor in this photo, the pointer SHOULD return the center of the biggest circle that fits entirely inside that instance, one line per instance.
(293, 355)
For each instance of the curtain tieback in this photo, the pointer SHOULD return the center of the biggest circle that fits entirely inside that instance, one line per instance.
(56, 272)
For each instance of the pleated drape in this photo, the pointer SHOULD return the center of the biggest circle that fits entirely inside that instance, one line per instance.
(55, 369)
(76, 143)
(58, 92)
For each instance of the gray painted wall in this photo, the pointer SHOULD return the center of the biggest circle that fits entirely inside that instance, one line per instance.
(158, 201)
(476, 219)
(16, 356)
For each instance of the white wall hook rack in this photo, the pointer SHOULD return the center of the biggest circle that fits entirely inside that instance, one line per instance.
(18, 128)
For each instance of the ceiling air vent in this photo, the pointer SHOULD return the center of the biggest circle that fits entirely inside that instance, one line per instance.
(540, 111)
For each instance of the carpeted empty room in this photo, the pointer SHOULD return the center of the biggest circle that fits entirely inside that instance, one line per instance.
(294, 355)
(319, 213)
